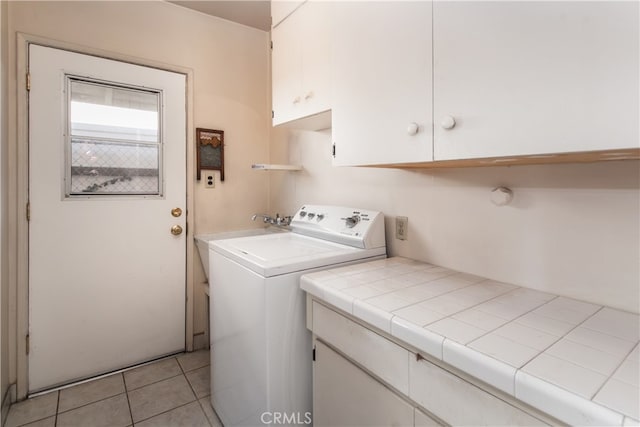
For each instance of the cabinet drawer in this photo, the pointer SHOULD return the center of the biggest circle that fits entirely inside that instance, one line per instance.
(458, 402)
(382, 357)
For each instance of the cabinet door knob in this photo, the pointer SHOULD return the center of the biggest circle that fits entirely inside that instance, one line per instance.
(309, 95)
(413, 128)
(448, 122)
(296, 100)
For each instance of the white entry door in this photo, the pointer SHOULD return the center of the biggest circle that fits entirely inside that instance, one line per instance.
(106, 182)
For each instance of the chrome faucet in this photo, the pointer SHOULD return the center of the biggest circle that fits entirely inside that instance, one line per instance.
(265, 218)
(278, 220)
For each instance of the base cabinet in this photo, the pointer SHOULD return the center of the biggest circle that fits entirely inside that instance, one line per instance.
(351, 388)
(344, 395)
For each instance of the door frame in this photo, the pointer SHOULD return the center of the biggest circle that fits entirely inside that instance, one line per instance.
(19, 177)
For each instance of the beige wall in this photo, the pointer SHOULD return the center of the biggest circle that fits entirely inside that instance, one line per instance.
(571, 229)
(229, 64)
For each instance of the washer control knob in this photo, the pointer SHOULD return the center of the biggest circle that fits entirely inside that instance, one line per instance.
(311, 215)
(351, 221)
(448, 122)
(320, 217)
(303, 214)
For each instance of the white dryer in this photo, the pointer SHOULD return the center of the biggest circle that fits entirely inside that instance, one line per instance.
(260, 347)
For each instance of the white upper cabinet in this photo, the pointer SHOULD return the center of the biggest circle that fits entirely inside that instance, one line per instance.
(527, 78)
(301, 63)
(382, 66)
(518, 81)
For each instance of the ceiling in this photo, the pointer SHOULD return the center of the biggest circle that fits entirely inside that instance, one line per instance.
(256, 14)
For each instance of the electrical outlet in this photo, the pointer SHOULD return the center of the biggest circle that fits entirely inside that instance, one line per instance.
(209, 182)
(402, 227)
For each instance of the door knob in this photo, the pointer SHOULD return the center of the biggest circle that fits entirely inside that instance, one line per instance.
(176, 212)
(176, 230)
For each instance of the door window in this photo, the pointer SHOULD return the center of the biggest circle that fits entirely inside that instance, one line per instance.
(114, 144)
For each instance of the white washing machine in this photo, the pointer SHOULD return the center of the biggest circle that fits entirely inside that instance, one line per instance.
(260, 347)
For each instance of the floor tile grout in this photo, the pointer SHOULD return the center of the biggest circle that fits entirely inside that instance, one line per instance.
(127, 390)
(164, 412)
(55, 420)
(59, 412)
(154, 382)
(190, 386)
(205, 413)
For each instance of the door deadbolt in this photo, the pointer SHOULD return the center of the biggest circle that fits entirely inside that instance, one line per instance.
(176, 212)
(176, 230)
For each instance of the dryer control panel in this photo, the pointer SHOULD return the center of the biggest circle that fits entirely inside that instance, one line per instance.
(359, 228)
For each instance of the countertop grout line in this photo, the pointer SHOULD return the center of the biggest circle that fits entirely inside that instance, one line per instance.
(496, 328)
(443, 294)
(624, 359)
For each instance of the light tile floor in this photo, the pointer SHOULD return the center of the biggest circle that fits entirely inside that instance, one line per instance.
(167, 393)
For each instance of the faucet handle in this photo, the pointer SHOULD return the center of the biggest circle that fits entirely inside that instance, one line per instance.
(283, 220)
(265, 218)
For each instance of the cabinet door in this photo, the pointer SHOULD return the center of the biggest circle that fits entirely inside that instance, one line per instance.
(286, 70)
(525, 78)
(316, 57)
(300, 65)
(344, 395)
(382, 82)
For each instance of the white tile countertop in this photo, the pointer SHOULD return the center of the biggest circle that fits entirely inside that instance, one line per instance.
(574, 360)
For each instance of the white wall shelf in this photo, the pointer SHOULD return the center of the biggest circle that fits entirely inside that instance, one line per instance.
(263, 166)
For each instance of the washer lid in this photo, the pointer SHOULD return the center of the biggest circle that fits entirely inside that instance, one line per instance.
(281, 253)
